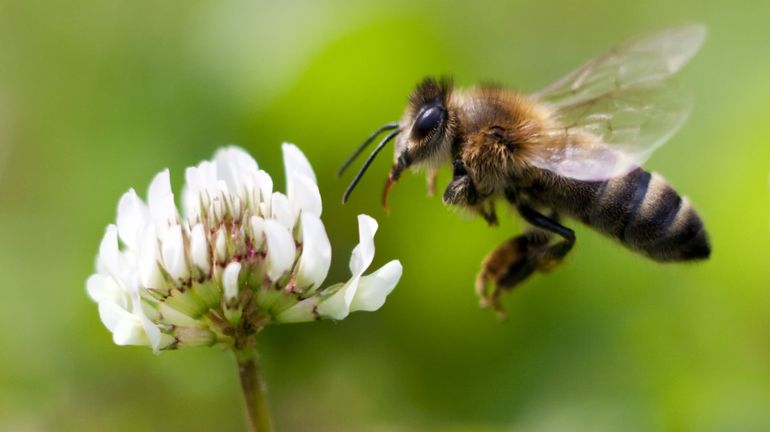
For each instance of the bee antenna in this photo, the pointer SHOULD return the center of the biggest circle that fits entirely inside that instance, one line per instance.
(363, 145)
(368, 162)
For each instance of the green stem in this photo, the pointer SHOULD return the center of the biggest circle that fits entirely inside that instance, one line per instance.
(253, 387)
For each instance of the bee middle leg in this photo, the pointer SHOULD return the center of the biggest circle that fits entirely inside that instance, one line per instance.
(519, 257)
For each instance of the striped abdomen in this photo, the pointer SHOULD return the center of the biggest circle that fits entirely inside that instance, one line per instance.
(639, 209)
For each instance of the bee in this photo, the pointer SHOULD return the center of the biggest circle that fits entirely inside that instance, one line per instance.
(573, 149)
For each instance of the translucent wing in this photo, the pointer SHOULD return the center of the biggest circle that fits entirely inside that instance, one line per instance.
(610, 114)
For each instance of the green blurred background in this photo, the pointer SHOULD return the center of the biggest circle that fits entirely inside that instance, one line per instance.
(97, 96)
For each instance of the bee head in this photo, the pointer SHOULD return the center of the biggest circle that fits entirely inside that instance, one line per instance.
(425, 140)
(423, 137)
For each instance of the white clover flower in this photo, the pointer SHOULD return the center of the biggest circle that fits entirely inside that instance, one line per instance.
(239, 257)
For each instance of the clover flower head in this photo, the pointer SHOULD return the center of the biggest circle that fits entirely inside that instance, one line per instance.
(240, 256)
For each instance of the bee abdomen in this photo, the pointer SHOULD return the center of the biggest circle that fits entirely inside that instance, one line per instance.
(645, 213)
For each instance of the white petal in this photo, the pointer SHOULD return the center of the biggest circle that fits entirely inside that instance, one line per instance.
(132, 218)
(108, 261)
(220, 245)
(202, 177)
(200, 183)
(237, 204)
(151, 330)
(173, 254)
(282, 210)
(199, 248)
(281, 250)
(265, 183)
(295, 161)
(233, 166)
(316, 253)
(301, 184)
(130, 331)
(149, 271)
(103, 288)
(257, 232)
(191, 205)
(363, 253)
(111, 314)
(373, 288)
(304, 194)
(220, 202)
(207, 175)
(336, 307)
(230, 280)
(161, 202)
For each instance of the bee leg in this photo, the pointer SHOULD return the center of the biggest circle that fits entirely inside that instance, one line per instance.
(549, 255)
(487, 211)
(461, 191)
(508, 265)
(430, 179)
(516, 259)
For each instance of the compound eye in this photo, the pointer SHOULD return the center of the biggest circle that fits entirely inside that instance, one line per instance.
(428, 121)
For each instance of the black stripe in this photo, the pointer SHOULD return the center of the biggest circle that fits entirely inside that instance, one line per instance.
(687, 241)
(642, 185)
(612, 210)
(646, 229)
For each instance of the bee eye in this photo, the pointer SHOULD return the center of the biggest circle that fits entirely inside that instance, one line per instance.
(428, 120)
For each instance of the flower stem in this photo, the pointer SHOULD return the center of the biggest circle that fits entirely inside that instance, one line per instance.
(257, 416)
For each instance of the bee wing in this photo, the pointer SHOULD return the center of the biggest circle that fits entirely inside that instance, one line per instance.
(611, 113)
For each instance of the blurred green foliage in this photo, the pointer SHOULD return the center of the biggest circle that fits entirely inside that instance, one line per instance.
(97, 96)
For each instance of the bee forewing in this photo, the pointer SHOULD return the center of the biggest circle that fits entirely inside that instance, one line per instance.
(641, 61)
(614, 111)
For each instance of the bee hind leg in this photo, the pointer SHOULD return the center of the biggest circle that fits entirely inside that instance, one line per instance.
(519, 257)
(508, 265)
(551, 255)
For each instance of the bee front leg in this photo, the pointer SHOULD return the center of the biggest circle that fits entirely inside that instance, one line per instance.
(462, 192)
(518, 258)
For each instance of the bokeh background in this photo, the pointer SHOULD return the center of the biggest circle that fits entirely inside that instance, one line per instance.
(97, 96)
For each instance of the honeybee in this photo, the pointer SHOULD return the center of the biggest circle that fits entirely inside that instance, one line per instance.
(573, 149)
